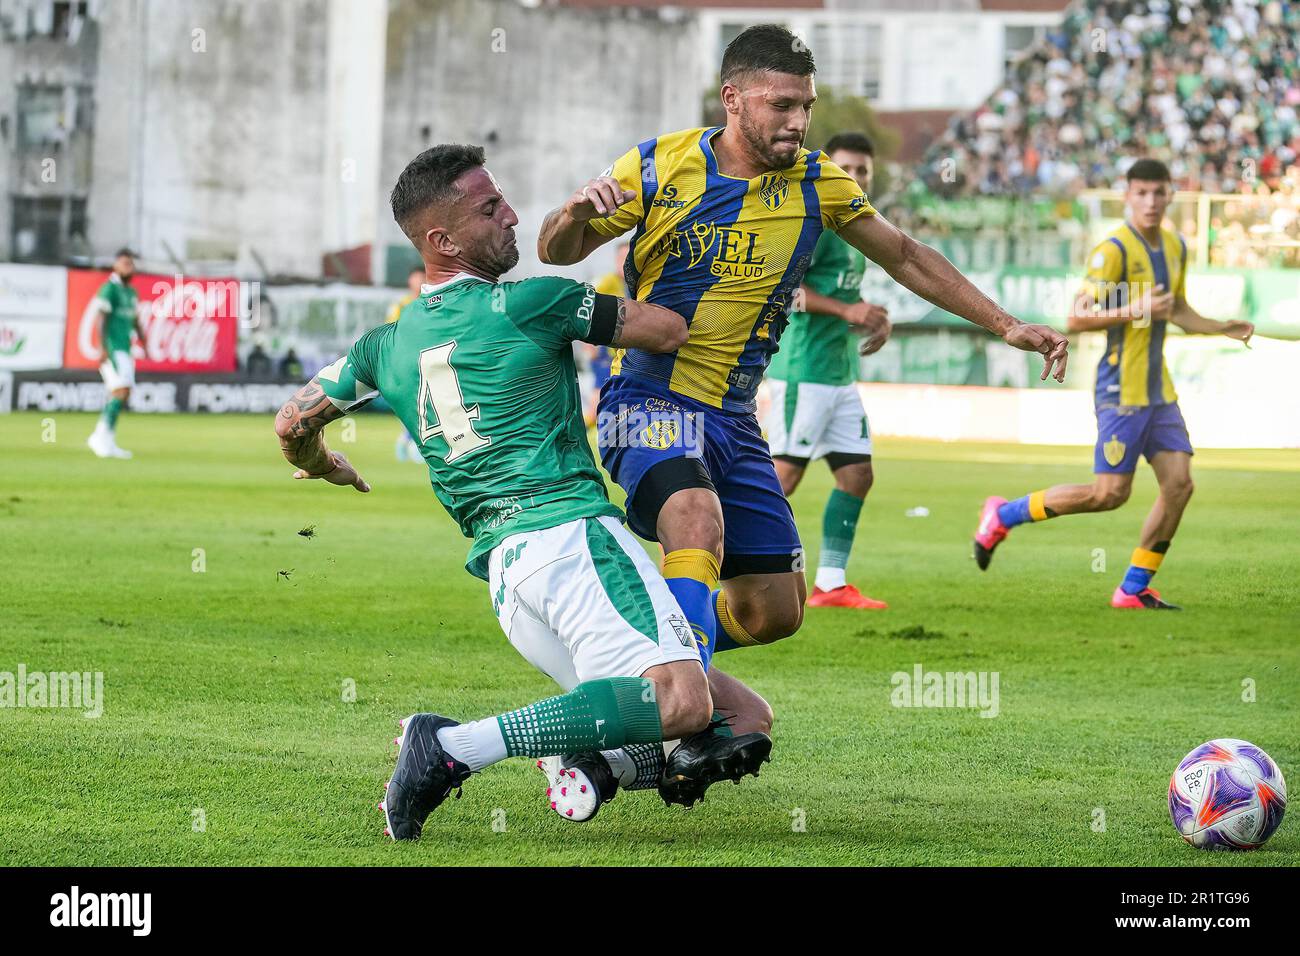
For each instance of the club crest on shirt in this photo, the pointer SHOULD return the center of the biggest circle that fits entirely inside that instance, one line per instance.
(772, 189)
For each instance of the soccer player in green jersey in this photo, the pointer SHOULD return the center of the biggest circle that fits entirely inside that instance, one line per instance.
(815, 409)
(481, 373)
(116, 302)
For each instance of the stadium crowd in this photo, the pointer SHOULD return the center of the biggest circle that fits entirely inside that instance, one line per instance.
(1209, 86)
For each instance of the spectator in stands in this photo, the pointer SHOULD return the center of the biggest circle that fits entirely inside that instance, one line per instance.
(1211, 86)
(291, 366)
(258, 363)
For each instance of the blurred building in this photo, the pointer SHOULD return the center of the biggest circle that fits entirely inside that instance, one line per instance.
(554, 95)
(225, 132)
(903, 55)
(262, 138)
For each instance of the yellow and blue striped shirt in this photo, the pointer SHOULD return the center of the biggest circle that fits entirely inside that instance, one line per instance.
(726, 253)
(1121, 268)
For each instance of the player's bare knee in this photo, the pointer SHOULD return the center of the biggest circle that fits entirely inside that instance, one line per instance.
(695, 707)
(760, 716)
(1108, 498)
(1179, 491)
(682, 693)
(778, 622)
(685, 704)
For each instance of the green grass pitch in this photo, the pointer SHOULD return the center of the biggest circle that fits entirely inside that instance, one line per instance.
(226, 737)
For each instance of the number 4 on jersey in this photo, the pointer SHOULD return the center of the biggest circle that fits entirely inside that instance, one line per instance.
(440, 390)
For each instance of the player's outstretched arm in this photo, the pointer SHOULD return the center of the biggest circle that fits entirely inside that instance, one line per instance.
(1189, 320)
(300, 425)
(931, 276)
(565, 237)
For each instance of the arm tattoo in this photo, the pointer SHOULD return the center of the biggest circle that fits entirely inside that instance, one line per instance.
(616, 340)
(300, 424)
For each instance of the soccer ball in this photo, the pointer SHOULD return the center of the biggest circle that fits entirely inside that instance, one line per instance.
(1227, 795)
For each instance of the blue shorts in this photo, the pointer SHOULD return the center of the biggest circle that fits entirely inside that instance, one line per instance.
(1126, 431)
(642, 425)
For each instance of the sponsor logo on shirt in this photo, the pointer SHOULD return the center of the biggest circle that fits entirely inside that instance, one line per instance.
(667, 199)
(734, 252)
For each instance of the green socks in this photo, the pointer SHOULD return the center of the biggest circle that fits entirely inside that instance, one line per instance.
(839, 524)
(112, 408)
(596, 715)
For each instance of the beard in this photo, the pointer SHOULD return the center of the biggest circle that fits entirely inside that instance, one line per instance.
(501, 260)
(762, 146)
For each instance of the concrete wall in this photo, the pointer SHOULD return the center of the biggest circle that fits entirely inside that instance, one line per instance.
(211, 128)
(554, 95)
(271, 131)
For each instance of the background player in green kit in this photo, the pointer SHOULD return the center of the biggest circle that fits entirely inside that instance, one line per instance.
(481, 373)
(815, 409)
(116, 302)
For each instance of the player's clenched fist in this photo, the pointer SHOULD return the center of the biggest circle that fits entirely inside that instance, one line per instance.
(597, 199)
(1046, 341)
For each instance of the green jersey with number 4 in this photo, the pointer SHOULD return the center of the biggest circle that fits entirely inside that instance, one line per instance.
(815, 348)
(482, 376)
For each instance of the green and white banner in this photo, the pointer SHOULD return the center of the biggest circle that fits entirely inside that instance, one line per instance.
(33, 301)
(1268, 297)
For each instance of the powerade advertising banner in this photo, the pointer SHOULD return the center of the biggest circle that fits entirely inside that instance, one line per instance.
(191, 325)
(68, 391)
(33, 307)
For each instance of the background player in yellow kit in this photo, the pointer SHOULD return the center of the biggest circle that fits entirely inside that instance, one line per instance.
(1135, 286)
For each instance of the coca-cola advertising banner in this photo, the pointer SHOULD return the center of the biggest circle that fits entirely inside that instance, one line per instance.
(190, 324)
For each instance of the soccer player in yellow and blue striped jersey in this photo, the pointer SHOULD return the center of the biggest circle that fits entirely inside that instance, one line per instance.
(1135, 286)
(723, 225)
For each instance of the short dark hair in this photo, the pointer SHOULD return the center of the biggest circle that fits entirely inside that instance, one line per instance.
(414, 269)
(767, 47)
(430, 178)
(853, 142)
(124, 251)
(1149, 171)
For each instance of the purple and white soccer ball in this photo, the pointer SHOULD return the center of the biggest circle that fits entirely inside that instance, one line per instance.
(1227, 795)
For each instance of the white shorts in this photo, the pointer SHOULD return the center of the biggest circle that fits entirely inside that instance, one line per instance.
(118, 371)
(816, 420)
(583, 600)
